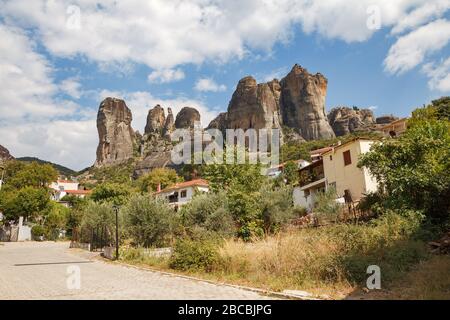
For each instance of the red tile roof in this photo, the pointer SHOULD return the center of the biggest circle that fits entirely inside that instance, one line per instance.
(192, 183)
(320, 151)
(77, 191)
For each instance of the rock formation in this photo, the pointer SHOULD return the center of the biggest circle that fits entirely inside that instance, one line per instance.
(4, 154)
(303, 103)
(156, 120)
(186, 118)
(297, 102)
(386, 119)
(254, 105)
(116, 137)
(345, 120)
(219, 122)
(169, 124)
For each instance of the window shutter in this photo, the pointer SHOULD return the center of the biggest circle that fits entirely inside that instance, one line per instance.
(347, 158)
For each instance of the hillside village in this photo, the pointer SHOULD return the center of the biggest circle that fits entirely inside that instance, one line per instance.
(351, 190)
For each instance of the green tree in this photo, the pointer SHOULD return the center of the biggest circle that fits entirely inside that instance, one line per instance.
(115, 193)
(158, 176)
(28, 202)
(414, 170)
(290, 173)
(32, 175)
(149, 221)
(56, 220)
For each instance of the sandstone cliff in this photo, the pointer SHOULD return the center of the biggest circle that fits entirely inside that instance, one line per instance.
(345, 120)
(254, 105)
(4, 154)
(186, 118)
(303, 103)
(116, 137)
(297, 102)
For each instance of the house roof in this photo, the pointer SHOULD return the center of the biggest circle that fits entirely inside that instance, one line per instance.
(320, 151)
(181, 185)
(312, 165)
(77, 191)
(284, 163)
(347, 143)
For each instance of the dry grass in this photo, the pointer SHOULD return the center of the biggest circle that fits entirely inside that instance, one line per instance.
(428, 280)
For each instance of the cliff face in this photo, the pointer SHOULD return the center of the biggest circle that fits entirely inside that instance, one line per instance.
(254, 105)
(155, 120)
(345, 120)
(4, 154)
(116, 137)
(186, 118)
(297, 102)
(303, 104)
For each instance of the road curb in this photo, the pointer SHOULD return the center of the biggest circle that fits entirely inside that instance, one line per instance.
(173, 274)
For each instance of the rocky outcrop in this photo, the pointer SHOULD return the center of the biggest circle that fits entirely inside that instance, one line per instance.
(297, 102)
(345, 120)
(4, 154)
(186, 118)
(169, 124)
(156, 120)
(219, 122)
(254, 106)
(303, 103)
(116, 137)
(386, 119)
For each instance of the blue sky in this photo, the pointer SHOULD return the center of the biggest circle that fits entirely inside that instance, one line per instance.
(60, 58)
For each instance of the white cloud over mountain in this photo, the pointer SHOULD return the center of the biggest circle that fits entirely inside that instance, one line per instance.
(164, 36)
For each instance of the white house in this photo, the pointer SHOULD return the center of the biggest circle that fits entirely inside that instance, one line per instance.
(337, 168)
(67, 187)
(181, 193)
(275, 171)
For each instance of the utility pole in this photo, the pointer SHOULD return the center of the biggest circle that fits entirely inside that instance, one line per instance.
(116, 209)
(3, 174)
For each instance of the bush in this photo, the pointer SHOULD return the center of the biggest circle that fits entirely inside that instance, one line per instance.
(56, 220)
(326, 205)
(149, 221)
(195, 255)
(37, 231)
(208, 212)
(276, 207)
(97, 216)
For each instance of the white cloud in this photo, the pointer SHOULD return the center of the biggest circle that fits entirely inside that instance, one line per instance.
(428, 11)
(166, 34)
(208, 84)
(166, 76)
(439, 75)
(72, 87)
(70, 143)
(411, 49)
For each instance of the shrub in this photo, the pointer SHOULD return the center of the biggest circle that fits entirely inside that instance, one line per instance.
(210, 213)
(149, 221)
(195, 255)
(326, 205)
(37, 231)
(56, 220)
(276, 207)
(97, 216)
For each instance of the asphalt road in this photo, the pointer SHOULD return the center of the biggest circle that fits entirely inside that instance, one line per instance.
(47, 270)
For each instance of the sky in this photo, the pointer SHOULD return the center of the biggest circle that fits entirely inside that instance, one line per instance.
(59, 59)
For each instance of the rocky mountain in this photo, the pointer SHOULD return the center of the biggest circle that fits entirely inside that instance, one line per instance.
(116, 137)
(297, 102)
(186, 118)
(4, 154)
(345, 120)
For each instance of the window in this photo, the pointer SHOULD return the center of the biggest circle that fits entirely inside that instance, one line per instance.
(183, 194)
(347, 158)
(331, 158)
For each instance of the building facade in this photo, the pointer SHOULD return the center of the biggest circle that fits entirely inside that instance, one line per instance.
(181, 193)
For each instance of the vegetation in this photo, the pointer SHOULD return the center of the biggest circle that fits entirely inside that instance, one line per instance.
(162, 177)
(63, 171)
(414, 170)
(149, 221)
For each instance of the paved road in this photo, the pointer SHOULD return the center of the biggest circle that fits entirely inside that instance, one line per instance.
(34, 270)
